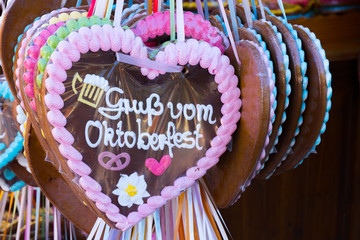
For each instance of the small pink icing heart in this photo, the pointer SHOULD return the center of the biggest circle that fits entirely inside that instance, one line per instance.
(156, 167)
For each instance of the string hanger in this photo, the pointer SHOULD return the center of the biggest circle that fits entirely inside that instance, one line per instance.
(228, 29)
(262, 10)
(180, 21)
(232, 8)
(118, 12)
(248, 16)
(281, 6)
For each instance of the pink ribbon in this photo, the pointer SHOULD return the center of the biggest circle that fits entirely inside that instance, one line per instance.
(146, 63)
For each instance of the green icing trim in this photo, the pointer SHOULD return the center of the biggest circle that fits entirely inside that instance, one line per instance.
(60, 34)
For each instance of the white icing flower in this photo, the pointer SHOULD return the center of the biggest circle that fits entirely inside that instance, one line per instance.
(131, 190)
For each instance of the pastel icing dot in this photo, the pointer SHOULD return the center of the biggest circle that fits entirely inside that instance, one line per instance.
(33, 51)
(84, 14)
(95, 20)
(106, 21)
(2, 146)
(62, 32)
(42, 64)
(53, 41)
(52, 28)
(46, 52)
(75, 15)
(72, 25)
(39, 40)
(84, 22)
(9, 174)
(17, 186)
(64, 17)
(60, 24)
(54, 20)
(39, 80)
(45, 33)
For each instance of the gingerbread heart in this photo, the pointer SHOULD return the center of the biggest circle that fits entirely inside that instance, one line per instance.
(11, 141)
(97, 104)
(16, 17)
(53, 185)
(9, 181)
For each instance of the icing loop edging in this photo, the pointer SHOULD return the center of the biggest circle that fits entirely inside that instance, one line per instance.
(201, 53)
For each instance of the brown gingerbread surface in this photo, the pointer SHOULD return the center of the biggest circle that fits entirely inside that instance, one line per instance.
(22, 173)
(227, 180)
(269, 37)
(295, 100)
(33, 116)
(316, 103)
(18, 15)
(53, 185)
(193, 85)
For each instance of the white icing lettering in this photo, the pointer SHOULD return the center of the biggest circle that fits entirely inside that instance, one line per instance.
(117, 107)
(98, 125)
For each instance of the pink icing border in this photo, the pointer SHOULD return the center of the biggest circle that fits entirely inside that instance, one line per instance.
(115, 38)
(196, 27)
(31, 60)
(21, 52)
(272, 100)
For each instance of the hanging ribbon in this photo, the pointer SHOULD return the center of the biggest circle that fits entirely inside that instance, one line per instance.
(190, 212)
(37, 212)
(149, 223)
(28, 213)
(91, 8)
(232, 42)
(100, 230)
(58, 215)
(100, 8)
(78, 3)
(146, 63)
(21, 213)
(16, 200)
(47, 218)
(254, 8)
(109, 9)
(118, 12)
(180, 28)
(3, 204)
(206, 10)
(142, 229)
(55, 225)
(248, 13)
(150, 7)
(281, 5)
(95, 227)
(157, 224)
(232, 8)
(178, 216)
(262, 10)
(8, 215)
(172, 20)
(199, 8)
(155, 6)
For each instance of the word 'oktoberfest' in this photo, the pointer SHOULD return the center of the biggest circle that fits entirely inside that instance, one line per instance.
(150, 108)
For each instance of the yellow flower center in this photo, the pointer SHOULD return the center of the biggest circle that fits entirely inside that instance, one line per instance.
(131, 190)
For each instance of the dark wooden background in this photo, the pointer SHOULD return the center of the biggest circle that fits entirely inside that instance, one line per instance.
(321, 198)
